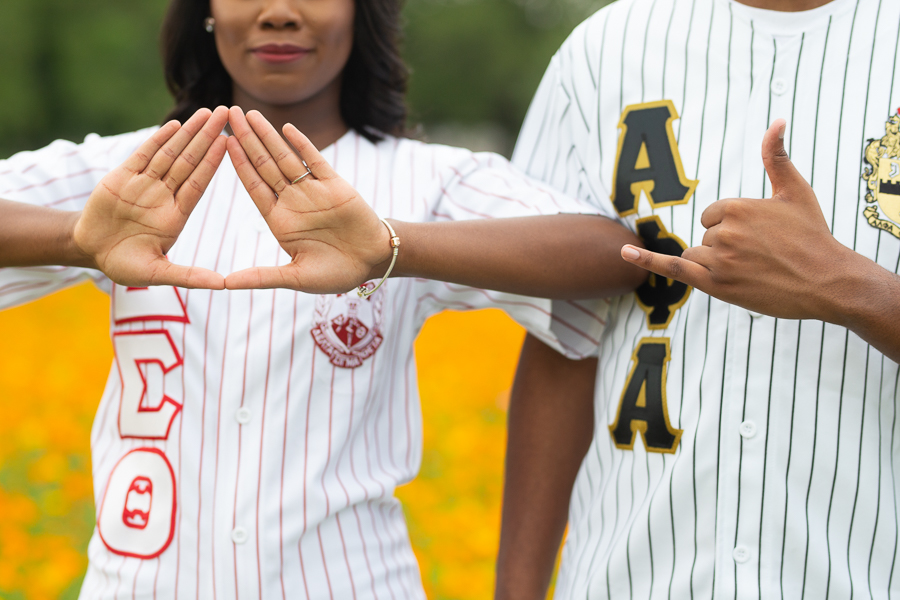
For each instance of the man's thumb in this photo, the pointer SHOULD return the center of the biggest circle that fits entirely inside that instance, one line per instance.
(779, 167)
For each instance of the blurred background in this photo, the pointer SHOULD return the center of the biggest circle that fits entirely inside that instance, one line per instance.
(72, 68)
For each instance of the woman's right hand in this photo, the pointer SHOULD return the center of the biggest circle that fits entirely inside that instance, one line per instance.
(137, 211)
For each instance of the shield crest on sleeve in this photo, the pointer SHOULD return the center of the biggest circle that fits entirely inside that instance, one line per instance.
(881, 173)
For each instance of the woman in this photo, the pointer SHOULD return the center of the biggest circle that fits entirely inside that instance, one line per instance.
(248, 442)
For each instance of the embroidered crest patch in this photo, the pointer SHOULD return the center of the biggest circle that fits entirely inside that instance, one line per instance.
(882, 175)
(348, 328)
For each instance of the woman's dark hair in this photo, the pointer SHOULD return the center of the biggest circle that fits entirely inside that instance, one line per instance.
(373, 86)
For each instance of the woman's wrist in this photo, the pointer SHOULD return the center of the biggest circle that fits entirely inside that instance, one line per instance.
(386, 250)
(72, 253)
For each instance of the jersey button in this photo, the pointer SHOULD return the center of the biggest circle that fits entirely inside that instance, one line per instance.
(779, 86)
(741, 554)
(242, 415)
(239, 535)
(748, 429)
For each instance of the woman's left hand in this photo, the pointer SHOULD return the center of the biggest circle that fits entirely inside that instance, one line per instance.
(332, 235)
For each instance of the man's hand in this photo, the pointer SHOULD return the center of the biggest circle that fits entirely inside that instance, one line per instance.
(332, 235)
(137, 211)
(775, 256)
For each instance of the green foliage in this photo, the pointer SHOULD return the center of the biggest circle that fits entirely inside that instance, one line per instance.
(71, 68)
(480, 61)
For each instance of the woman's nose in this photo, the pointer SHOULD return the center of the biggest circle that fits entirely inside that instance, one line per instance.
(279, 14)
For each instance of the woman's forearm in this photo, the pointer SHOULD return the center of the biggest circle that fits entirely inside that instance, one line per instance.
(554, 256)
(35, 235)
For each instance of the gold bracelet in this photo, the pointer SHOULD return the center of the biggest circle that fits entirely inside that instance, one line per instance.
(395, 245)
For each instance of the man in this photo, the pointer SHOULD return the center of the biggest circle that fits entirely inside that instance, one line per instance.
(744, 411)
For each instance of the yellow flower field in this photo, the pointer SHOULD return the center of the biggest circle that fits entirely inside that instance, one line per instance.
(54, 360)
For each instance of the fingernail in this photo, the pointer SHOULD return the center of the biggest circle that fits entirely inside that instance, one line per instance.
(781, 131)
(630, 252)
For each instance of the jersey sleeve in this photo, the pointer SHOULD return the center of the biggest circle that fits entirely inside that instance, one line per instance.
(558, 139)
(556, 146)
(61, 176)
(487, 186)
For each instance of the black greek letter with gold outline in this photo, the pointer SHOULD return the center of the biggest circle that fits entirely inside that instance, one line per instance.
(648, 162)
(660, 297)
(642, 408)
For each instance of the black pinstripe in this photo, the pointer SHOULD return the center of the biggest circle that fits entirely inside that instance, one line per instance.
(795, 450)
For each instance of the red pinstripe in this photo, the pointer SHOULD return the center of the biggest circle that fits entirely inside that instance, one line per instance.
(66, 199)
(119, 578)
(398, 543)
(312, 379)
(136, 574)
(54, 180)
(187, 294)
(367, 409)
(262, 436)
(387, 572)
(464, 183)
(324, 562)
(237, 474)
(390, 403)
(156, 577)
(325, 489)
(541, 190)
(589, 313)
(337, 474)
(446, 195)
(33, 165)
(203, 409)
(22, 286)
(409, 443)
(337, 517)
(489, 295)
(362, 539)
(287, 403)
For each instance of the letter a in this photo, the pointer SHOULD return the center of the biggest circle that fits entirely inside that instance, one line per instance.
(648, 159)
(642, 407)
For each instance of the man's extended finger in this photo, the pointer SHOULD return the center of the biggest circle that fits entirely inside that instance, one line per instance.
(260, 192)
(263, 278)
(317, 164)
(260, 158)
(164, 158)
(190, 158)
(672, 267)
(287, 160)
(189, 194)
(140, 158)
(166, 273)
(782, 173)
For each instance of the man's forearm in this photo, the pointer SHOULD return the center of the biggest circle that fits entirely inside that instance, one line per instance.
(551, 419)
(34, 235)
(556, 256)
(867, 302)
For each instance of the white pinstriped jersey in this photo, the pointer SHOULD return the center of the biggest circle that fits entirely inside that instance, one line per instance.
(248, 443)
(735, 455)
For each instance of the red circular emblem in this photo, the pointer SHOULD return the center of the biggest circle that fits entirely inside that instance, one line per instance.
(348, 328)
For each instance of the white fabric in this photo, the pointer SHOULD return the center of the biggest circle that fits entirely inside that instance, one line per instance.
(784, 483)
(260, 434)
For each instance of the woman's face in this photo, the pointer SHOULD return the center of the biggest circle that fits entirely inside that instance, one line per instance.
(283, 52)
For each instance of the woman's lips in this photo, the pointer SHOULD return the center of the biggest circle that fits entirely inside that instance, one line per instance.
(279, 53)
